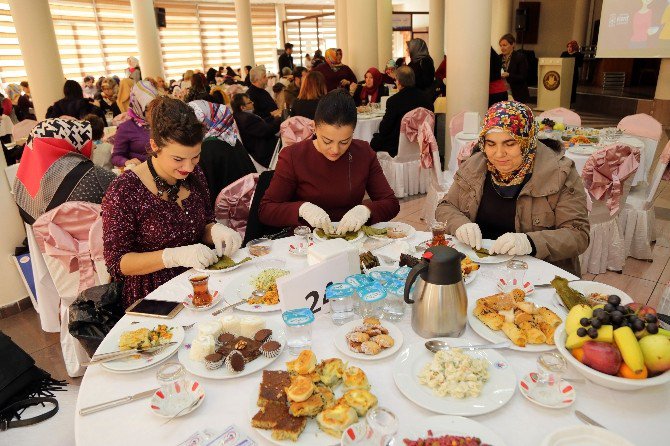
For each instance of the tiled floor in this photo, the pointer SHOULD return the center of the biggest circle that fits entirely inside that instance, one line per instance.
(644, 281)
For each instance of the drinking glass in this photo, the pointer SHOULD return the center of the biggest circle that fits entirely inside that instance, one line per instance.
(439, 230)
(305, 235)
(515, 272)
(384, 424)
(341, 297)
(172, 380)
(298, 329)
(550, 369)
(201, 294)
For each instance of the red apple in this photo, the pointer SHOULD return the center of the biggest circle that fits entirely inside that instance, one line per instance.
(602, 356)
(640, 309)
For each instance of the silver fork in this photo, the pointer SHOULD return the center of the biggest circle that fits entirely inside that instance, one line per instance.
(188, 327)
(235, 305)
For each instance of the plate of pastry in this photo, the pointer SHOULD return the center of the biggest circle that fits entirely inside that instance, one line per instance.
(389, 230)
(232, 346)
(368, 339)
(310, 403)
(447, 429)
(140, 335)
(454, 381)
(243, 288)
(510, 317)
(352, 236)
(482, 255)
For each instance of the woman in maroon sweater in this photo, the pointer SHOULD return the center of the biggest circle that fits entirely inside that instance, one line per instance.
(322, 180)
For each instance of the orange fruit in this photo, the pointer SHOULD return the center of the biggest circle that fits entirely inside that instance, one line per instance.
(626, 372)
(578, 353)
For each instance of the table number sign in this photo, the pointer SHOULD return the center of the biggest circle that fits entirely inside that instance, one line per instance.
(307, 288)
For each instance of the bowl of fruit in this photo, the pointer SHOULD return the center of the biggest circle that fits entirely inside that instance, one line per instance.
(617, 346)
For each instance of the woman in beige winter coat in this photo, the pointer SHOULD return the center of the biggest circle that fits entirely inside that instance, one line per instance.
(518, 192)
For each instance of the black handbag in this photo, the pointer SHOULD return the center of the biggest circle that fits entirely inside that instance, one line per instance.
(94, 313)
(22, 385)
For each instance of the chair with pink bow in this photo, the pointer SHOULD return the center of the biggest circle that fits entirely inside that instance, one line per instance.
(649, 131)
(567, 116)
(638, 219)
(22, 129)
(407, 172)
(69, 238)
(233, 202)
(292, 131)
(607, 177)
(466, 152)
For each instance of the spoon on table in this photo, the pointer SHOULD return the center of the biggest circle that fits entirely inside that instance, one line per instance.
(435, 346)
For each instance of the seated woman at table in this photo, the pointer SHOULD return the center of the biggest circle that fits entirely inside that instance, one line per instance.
(131, 140)
(158, 219)
(371, 90)
(312, 89)
(518, 192)
(56, 167)
(324, 179)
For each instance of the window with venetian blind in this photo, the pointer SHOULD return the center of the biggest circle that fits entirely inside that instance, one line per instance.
(309, 34)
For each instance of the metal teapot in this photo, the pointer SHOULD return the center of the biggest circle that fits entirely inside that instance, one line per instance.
(439, 301)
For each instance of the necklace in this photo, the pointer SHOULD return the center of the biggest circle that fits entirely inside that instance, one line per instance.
(172, 190)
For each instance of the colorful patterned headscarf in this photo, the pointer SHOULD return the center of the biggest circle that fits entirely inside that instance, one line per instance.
(142, 93)
(218, 120)
(331, 56)
(516, 119)
(13, 91)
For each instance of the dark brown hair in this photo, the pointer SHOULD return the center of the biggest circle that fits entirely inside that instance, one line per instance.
(509, 38)
(171, 120)
(313, 86)
(97, 126)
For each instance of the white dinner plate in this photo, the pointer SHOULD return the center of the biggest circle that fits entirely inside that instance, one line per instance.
(486, 243)
(311, 436)
(583, 149)
(587, 287)
(407, 229)
(448, 425)
(584, 436)
(335, 223)
(238, 256)
(498, 336)
(129, 365)
(342, 345)
(497, 391)
(198, 368)
(241, 288)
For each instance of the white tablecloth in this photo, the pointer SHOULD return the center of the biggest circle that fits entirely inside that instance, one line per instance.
(638, 416)
(640, 175)
(366, 127)
(459, 141)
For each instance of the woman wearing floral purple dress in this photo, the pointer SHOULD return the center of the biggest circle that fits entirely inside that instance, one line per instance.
(158, 219)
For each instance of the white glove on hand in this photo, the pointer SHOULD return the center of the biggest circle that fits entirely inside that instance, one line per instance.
(190, 256)
(315, 216)
(470, 234)
(512, 243)
(224, 236)
(354, 219)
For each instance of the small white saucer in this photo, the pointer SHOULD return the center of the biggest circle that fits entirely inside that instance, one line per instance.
(193, 388)
(216, 298)
(528, 382)
(294, 249)
(526, 287)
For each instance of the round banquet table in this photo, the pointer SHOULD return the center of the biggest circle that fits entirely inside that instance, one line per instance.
(641, 174)
(366, 127)
(639, 416)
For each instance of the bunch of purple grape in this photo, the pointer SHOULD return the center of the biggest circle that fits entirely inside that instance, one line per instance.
(617, 315)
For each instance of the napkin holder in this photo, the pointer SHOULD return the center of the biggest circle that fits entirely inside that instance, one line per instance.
(471, 123)
(322, 251)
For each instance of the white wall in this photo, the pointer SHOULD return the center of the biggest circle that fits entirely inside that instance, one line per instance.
(555, 27)
(411, 5)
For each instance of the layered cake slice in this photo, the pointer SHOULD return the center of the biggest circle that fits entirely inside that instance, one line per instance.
(272, 387)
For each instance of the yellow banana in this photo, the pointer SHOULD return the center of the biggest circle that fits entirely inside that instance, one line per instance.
(575, 315)
(625, 340)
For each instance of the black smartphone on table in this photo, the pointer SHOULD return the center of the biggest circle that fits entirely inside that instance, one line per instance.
(155, 308)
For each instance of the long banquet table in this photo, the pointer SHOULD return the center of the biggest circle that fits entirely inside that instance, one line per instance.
(638, 416)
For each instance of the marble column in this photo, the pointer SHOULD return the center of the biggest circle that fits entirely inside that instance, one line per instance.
(39, 49)
(341, 27)
(502, 14)
(362, 28)
(663, 83)
(580, 21)
(436, 30)
(280, 13)
(148, 41)
(244, 34)
(384, 32)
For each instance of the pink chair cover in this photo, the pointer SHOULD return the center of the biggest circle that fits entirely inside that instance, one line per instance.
(456, 124)
(295, 129)
(665, 159)
(22, 129)
(233, 202)
(65, 233)
(606, 170)
(569, 117)
(418, 126)
(466, 152)
(642, 125)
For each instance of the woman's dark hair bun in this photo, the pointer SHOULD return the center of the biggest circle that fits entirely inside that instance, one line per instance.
(173, 120)
(336, 108)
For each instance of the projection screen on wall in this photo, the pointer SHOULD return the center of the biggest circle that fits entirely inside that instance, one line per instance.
(634, 28)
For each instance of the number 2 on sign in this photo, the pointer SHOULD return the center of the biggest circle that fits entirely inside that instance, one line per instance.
(314, 296)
